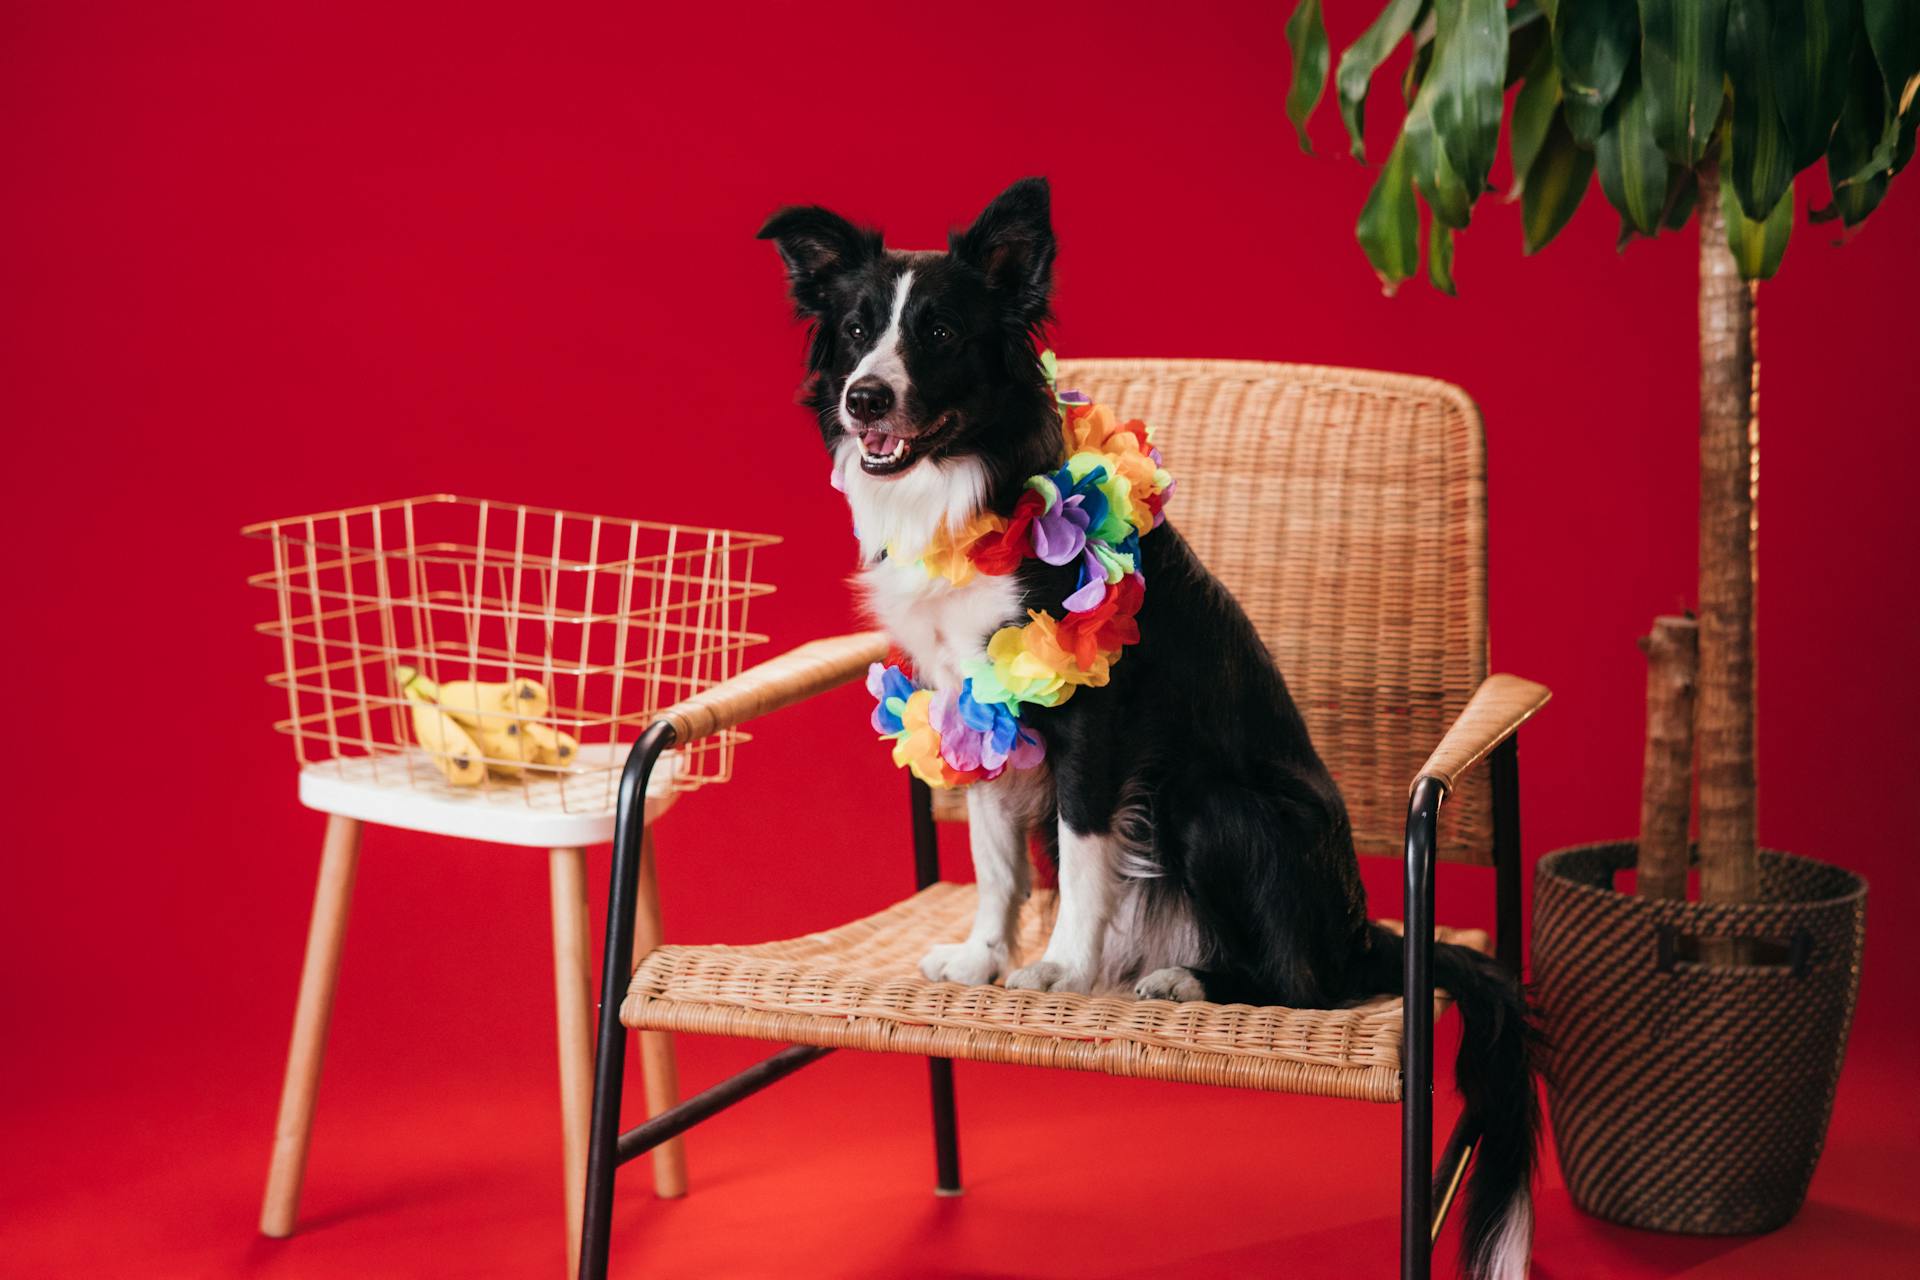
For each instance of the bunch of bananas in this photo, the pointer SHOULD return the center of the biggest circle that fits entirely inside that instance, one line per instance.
(471, 726)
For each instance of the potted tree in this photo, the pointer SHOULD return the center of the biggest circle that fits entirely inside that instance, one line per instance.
(1696, 1044)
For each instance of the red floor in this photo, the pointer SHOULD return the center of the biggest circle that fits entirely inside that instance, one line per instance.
(146, 1162)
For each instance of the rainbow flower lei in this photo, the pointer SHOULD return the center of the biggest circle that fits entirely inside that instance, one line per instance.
(1093, 509)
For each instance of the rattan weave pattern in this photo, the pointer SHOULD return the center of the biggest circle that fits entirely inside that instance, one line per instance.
(859, 986)
(1690, 1097)
(1346, 510)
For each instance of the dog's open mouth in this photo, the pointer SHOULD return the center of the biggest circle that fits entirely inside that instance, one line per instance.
(885, 451)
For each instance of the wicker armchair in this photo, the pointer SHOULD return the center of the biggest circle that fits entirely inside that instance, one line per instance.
(1346, 510)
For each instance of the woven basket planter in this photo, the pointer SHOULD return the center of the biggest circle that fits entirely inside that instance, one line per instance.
(1688, 1097)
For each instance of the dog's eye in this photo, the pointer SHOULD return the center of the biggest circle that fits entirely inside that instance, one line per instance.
(940, 333)
(856, 331)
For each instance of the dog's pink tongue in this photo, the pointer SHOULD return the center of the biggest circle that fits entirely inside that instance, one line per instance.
(877, 443)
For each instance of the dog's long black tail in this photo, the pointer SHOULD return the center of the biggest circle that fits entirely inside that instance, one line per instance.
(1495, 1075)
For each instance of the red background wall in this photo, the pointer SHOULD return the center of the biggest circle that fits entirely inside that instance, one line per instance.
(254, 263)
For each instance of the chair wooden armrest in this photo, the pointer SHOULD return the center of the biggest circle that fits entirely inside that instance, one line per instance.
(1497, 708)
(794, 676)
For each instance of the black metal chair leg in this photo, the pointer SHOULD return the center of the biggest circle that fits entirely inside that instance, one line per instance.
(1416, 1103)
(610, 1055)
(946, 1128)
(1504, 771)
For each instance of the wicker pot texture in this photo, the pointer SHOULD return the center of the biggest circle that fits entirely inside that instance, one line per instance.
(1686, 1097)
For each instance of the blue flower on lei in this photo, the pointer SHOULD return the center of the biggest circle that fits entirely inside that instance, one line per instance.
(985, 735)
(890, 689)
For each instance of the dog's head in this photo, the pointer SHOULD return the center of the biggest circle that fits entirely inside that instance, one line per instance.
(926, 359)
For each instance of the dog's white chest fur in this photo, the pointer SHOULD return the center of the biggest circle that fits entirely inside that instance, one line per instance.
(940, 626)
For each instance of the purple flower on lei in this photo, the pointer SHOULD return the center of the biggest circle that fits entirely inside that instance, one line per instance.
(1093, 585)
(1060, 532)
(1092, 589)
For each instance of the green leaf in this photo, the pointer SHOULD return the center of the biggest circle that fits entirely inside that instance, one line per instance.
(1893, 30)
(1453, 127)
(1757, 244)
(1758, 151)
(1854, 140)
(1584, 120)
(1362, 58)
(1440, 256)
(1810, 53)
(1422, 58)
(1593, 40)
(1416, 68)
(1533, 110)
(1682, 43)
(1880, 160)
(1683, 192)
(1307, 44)
(1432, 173)
(1527, 33)
(1909, 125)
(1633, 169)
(1389, 225)
(1469, 80)
(1556, 183)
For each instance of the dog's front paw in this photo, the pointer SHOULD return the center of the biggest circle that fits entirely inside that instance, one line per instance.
(974, 964)
(1170, 984)
(1048, 975)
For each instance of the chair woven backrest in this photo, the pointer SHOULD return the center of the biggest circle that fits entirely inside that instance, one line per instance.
(1346, 511)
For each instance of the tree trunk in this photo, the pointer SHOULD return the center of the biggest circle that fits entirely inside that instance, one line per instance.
(1729, 476)
(1666, 782)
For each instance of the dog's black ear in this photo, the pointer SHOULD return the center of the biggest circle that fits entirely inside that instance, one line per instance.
(817, 245)
(1011, 242)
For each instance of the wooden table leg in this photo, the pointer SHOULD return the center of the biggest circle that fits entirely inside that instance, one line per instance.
(339, 858)
(662, 1076)
(573, 999)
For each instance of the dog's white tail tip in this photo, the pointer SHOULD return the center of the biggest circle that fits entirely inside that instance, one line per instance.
(1509, 1253)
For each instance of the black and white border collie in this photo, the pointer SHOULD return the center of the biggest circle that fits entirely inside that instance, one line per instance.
(1204, 851)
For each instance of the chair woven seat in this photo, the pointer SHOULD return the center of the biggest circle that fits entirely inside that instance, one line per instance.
(859, 987)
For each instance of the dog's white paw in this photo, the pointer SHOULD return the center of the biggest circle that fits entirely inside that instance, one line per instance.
(1170, 984)
(973, 963)
(1048, 975)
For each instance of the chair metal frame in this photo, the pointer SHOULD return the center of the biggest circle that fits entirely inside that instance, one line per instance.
(1427, 1192)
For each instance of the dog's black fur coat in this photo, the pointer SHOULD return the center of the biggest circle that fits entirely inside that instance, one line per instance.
(1240, 815)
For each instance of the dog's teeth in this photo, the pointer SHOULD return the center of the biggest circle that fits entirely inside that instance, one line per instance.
(894, 454)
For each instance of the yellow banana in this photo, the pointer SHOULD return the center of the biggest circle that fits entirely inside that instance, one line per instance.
(556, 747)
(494, 718)
(449, 745)
(481, 703)
(508, 745)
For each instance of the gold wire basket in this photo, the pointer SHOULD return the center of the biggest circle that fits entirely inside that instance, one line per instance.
(612, 619)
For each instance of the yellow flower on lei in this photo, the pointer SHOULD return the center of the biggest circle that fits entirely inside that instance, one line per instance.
(948, 555)
(918, 746)
(1026, 663)
(1097, 436)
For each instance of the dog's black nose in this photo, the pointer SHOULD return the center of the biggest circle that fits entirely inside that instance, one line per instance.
(870, 399)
